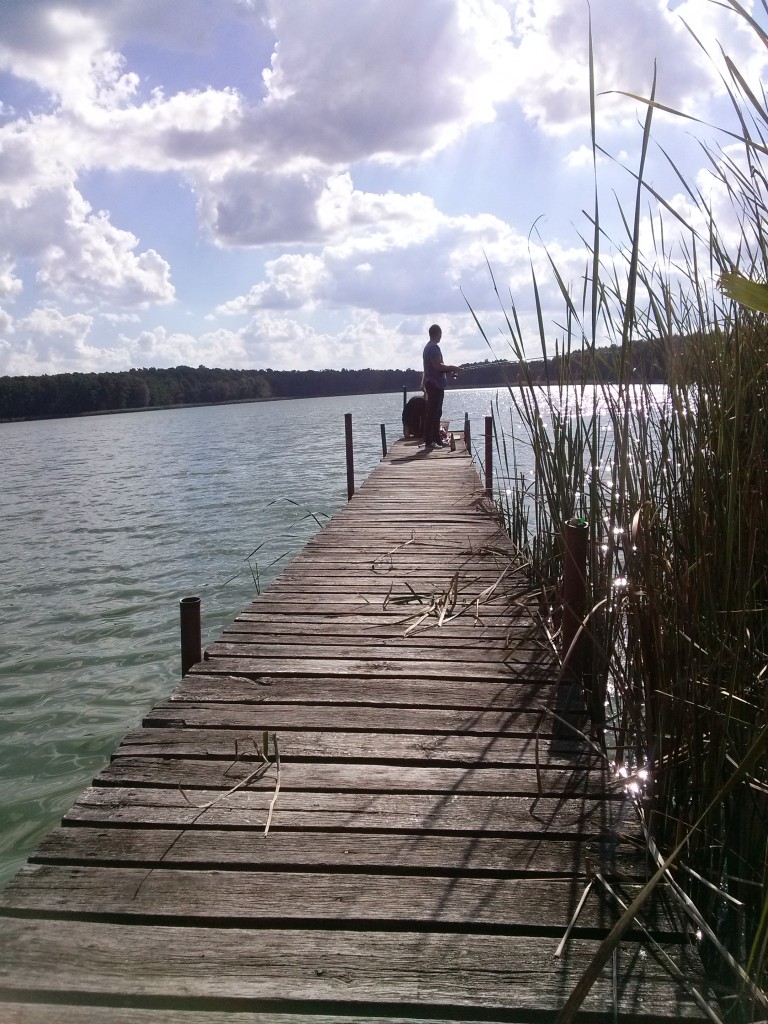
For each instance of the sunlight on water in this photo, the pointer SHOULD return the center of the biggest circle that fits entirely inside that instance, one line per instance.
(107, 522)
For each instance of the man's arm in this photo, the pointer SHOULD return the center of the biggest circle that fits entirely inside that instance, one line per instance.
(440, 367)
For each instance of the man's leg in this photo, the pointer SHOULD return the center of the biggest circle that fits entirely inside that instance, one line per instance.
(432, 414)
(439, 413)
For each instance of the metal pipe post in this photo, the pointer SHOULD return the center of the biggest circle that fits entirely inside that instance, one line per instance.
(489, 456)
(191, 633)
(350, 455)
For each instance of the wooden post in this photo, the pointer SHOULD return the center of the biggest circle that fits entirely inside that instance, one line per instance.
(350, 455)
(191, 633)
(383, 440)
(489, 456)
(575, 539)
(467, 437)
(405, 398)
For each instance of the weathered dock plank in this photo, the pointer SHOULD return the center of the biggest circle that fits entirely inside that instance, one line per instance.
(359, 747)
(173, 772)
(301, 718)
(364, 804)
(382, 668)
(326, 970)
(484, 695)
(539, 856)
(202, 683)
(531, 906)
(502, 815)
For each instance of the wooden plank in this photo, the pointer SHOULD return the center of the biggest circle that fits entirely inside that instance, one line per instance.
(473, 603)
(490, 612)
(340, 747)
(382, 651)
(307, 776)
(326, 629)
(384, 592)
(249, 809)
(329, 575)
(372, 557)
(418, 581)
(383, 668)
(55, 1013)
(497, 622)
(241, 969)
(401, 605)
(473, 596)
(500, 641)
(454, 524)
(324, 717)
(386, 560)
(537, 856)
(532, 906)
(417, 575)
(479, 538)
(201, 685)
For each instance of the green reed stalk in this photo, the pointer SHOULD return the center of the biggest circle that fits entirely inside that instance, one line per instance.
(675, 494)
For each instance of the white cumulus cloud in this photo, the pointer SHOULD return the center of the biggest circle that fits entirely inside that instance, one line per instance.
(356, 152)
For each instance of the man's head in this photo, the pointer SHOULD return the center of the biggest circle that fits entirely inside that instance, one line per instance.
(435, 333)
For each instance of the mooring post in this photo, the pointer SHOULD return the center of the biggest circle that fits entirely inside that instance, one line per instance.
(191, 633)
(575, 540)
(383, 440)
(405, 398)
(350, 456)
(489, 456)
(467, 438)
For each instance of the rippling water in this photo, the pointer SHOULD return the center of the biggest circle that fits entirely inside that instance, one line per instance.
(106, 522)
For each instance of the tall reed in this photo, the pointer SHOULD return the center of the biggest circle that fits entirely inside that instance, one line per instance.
(673, 482)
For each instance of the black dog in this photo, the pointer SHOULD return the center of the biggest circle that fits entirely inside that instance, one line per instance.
(413, 416)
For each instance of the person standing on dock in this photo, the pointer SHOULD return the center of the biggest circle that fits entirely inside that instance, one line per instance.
(435, 379)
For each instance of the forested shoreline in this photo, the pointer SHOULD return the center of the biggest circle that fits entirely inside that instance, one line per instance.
(79, 394)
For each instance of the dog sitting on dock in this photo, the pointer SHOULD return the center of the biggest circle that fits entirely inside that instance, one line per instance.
(413, 416)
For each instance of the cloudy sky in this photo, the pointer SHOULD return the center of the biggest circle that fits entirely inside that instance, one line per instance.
(311, 183)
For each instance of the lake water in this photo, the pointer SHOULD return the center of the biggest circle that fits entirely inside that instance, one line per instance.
(106, 523)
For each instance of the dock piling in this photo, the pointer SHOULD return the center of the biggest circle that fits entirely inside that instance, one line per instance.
(489, 456)
(575, 538)
(191, 633)
(350, 455)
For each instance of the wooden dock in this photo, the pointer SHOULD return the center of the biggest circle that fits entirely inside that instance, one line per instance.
(413, 848)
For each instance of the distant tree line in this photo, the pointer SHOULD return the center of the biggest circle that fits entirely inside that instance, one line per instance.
(77, 394)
